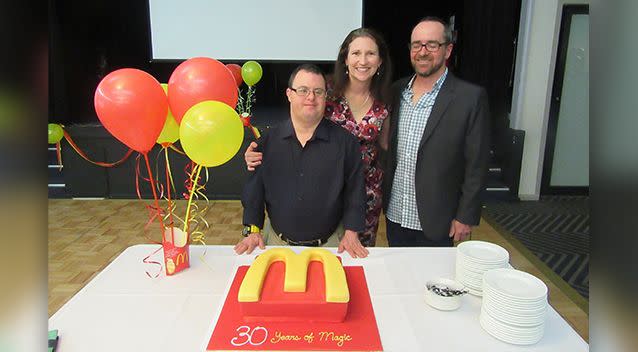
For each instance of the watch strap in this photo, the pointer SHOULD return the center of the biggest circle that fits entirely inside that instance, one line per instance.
(248, 229)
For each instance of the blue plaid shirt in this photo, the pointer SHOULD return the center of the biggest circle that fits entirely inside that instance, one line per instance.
(412, 120)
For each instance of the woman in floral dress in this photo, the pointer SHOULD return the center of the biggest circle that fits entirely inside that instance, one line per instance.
(358, 102)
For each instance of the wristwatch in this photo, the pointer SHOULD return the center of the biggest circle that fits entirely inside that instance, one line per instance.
(248, 229)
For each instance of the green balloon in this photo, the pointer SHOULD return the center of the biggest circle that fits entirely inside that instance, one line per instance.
(251, 72)
(55, 133)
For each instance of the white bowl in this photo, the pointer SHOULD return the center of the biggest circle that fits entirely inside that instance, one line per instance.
(443, 302)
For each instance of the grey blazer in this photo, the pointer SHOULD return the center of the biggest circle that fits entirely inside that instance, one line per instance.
(452, 157)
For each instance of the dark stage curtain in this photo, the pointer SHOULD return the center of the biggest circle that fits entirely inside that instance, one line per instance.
(486, 54)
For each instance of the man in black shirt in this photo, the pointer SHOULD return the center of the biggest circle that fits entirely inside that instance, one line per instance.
(311, 180)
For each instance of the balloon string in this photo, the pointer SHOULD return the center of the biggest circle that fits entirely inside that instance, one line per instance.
(250, 99)
(168, 169)
(199, 217)
(147, 260)
(157, 207)
(170, 215)
(188, 169)
(58, 151)
(137, 177)
(200, 214)
(153, 213)
(158, 185)
(198, 237)
(170, 184)
(240, 102)
(148, 168)
(172, 146)
(244, 108)
(190, 198)
(255, 132)
(169, 181)
(83, 155)
(245, 104)
(174, 216)
(187, 180)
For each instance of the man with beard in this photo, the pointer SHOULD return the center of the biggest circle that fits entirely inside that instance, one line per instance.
(438, 147)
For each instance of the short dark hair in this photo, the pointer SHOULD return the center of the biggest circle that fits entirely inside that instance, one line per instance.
(380, 85)
(307, 68)
(447, 28)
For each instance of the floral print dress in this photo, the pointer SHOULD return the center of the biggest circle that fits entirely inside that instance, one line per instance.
(367, 131)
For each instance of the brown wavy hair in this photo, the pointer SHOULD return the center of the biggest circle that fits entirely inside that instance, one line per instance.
(380, 85)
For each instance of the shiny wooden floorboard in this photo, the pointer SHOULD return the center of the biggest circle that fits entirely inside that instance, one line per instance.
(86, 235)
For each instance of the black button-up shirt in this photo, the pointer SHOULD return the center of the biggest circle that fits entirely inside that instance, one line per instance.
(307, 190)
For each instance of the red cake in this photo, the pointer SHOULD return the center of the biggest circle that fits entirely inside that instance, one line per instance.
(297, 302)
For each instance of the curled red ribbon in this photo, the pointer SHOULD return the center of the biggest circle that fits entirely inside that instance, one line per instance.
(83, 155)
(155, 211)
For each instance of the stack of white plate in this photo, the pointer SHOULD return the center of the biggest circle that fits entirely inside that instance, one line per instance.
(473, 258)
(514, 306)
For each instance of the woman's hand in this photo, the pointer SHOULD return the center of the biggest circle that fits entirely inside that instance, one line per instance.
(252, 158)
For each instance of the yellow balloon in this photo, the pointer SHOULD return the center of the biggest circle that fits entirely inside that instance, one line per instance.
(211, 133)
(170, 132)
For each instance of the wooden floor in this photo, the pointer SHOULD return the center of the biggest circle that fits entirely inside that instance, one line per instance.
(86, 235)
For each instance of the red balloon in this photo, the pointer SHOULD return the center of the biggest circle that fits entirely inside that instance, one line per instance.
(236, 71)
(132, 105)
(199, 79)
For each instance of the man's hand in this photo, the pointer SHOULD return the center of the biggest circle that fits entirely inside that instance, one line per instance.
(249, 243)
(252, 158)
(459, 231)
(350, 243)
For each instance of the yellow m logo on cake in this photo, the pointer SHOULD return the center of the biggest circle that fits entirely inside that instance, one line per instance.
(281, 305)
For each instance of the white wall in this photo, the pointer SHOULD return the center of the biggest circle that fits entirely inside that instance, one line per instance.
(535, 61)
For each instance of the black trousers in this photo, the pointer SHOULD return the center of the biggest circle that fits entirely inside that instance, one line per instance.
(399, 236)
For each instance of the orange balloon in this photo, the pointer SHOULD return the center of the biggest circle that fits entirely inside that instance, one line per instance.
(132, 106)
(236, 71)
(200, 79)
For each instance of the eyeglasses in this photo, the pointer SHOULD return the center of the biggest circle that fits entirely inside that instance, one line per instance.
(430, 46)
(304, 91)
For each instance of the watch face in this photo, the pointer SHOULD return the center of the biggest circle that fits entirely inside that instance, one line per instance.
(246, 231)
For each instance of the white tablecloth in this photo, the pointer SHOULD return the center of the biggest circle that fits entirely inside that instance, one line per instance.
(122, 309)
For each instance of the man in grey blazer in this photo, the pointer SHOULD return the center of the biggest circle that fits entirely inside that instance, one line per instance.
(438, 147)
